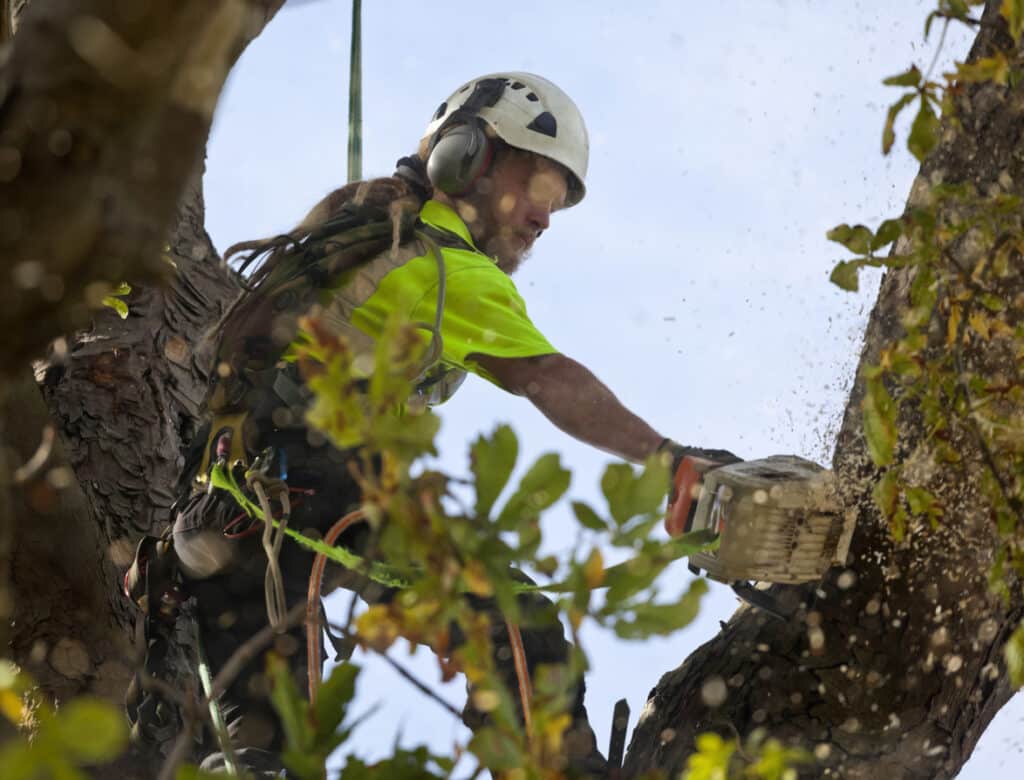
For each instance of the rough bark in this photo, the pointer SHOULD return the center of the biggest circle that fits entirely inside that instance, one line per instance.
(104, 111)
(911, 669)
(122, 394)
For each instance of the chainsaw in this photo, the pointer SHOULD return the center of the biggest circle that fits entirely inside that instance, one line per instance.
(777, 520)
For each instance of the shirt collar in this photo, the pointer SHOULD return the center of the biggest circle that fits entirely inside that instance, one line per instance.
(441, 216)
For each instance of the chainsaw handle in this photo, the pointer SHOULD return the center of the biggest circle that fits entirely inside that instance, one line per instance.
(685, 494)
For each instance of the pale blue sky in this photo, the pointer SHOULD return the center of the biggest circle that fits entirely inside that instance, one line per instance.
(726, 138)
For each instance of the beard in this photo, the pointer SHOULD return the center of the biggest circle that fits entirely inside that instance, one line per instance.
(508, 251)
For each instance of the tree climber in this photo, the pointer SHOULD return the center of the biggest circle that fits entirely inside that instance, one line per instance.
(500, 156)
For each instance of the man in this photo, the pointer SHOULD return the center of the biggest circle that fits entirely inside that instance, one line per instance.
(502, 154)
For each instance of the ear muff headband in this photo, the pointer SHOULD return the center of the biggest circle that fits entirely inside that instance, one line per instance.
(460, 151)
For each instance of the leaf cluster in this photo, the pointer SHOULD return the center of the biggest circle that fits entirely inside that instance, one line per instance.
(461, 543)
(757, 758)
(84, 732)
(960, 249)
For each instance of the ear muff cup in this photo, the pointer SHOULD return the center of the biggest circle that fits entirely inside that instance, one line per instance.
(458, 157)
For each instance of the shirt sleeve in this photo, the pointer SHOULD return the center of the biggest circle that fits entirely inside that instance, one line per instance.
(483, 315)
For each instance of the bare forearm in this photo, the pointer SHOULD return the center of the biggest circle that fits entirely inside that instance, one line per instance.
(577, 402)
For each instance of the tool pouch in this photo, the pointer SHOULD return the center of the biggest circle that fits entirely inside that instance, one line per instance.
(199, 529)
(209, 519)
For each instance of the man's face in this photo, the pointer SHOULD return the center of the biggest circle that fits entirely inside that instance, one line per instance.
(512, 206)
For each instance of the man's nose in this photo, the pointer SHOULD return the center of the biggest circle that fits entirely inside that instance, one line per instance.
(539, 216)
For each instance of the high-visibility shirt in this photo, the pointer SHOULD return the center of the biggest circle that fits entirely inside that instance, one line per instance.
(483, 312)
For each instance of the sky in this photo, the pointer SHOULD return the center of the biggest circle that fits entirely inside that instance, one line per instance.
(726, 139)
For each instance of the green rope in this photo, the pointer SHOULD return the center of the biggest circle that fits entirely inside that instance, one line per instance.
(355, 97)
(220, 728)
(400, 577)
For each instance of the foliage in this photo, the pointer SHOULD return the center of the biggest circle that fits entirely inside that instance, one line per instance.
(758, 758)
(1013, 652)
(84, 732)
(449, 548)
(961, 247)
(113, 299)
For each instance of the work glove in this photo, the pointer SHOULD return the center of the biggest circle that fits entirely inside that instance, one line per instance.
(688, 467)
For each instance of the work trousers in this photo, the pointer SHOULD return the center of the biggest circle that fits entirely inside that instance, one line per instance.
(230, 607)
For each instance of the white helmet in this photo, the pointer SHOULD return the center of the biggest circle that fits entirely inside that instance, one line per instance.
(525, 111)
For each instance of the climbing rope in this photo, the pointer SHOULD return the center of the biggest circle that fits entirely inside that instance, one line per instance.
(273, 539)
(313, 627)
(316, 577)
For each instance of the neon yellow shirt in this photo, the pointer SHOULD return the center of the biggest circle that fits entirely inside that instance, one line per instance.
(483, 312)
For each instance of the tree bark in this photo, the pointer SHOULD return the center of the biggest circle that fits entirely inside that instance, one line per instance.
(124, 393)
(104, 111)
(910, 669)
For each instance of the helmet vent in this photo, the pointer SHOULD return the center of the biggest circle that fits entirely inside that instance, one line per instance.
(544, 124)
(517, 85)
(532, 97)
(440, 111)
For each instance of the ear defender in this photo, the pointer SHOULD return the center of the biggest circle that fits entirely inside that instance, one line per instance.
(459, 156)
(460, 152)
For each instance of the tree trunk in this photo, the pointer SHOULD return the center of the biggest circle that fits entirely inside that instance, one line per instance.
(893, 667)
(910, 669)
(104, 111)
(123, 395)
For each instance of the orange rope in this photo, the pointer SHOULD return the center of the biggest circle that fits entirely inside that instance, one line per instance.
(313, 627)
(515, 640)
(316, 577)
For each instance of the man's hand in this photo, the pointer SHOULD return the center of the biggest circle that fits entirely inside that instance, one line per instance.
(689, 465)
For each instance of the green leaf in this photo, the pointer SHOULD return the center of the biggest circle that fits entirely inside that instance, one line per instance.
(662, 619)
(1013, 12)
(995, 69)
(776, 762)
(117, 305)
(542, 486)
(291, 707)
(496, 750)
(844, 275)
(887, 232)
(650, 489)
(629, 494)
(693, 542)
(492, 461)
(712, 759)
(909, 78)
(587, 517)
(924, 133)
(615, 484)
(20, 760)
(993, 303)
(888, 131)
(887, 492)
(879, 422)
(1014, 654)
(921, 502)
(92, 731)
(856, 238)
(416, 764)
(332, 701)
